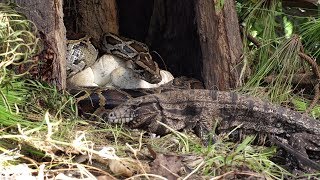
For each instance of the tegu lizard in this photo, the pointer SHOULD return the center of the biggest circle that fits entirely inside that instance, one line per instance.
(199, 110)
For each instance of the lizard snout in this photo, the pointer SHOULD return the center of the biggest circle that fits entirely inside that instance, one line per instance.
(121, 115)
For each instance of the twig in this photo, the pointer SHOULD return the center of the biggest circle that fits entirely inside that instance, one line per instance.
(251, 38)
(313, 64)
(315, 69)
(194, 171)
(315, 98)
(300, 78)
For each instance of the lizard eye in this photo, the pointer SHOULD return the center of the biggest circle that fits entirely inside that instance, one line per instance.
(112, 117)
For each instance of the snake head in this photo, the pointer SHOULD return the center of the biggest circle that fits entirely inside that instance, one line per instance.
(136, 52)
(148, 69)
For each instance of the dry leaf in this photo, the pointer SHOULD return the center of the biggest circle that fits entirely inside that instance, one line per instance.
(117, 167)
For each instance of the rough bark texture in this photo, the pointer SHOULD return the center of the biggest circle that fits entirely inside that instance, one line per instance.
(91, 17)
(48, 17)
(98, 17)
(220, 42)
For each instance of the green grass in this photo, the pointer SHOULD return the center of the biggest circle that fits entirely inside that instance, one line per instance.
(12, 99)
(284, 64)
(277, 54)
(302, 104)
(311, 36)
(225, 156)
(17, 45)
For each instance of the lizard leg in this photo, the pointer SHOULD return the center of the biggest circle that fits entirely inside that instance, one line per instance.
(308, 145)
(204, 128)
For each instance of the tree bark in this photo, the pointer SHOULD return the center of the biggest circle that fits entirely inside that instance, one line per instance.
(220, 42)
(97, 17)
(48, 17)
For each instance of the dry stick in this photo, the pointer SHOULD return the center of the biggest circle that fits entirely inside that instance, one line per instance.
(313, 64)
(300, 78)
(315, 69)
(251, 38)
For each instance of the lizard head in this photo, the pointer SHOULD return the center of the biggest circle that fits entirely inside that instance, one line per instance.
(122, 114)
(137, 108)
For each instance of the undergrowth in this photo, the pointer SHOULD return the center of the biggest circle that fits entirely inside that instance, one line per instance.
(273, 60)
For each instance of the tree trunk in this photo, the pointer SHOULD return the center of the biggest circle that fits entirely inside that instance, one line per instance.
(198, 39)
(91, 17)
(220, 42)
(48, 17)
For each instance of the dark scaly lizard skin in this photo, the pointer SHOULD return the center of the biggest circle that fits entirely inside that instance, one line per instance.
(200, 109)
(95, 102)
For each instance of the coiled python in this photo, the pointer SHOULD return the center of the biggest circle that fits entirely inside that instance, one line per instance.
(136, 53)
(81, 55)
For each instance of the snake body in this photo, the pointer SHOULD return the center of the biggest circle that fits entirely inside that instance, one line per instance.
(82, 62)
(136, 53)
(80, 55)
